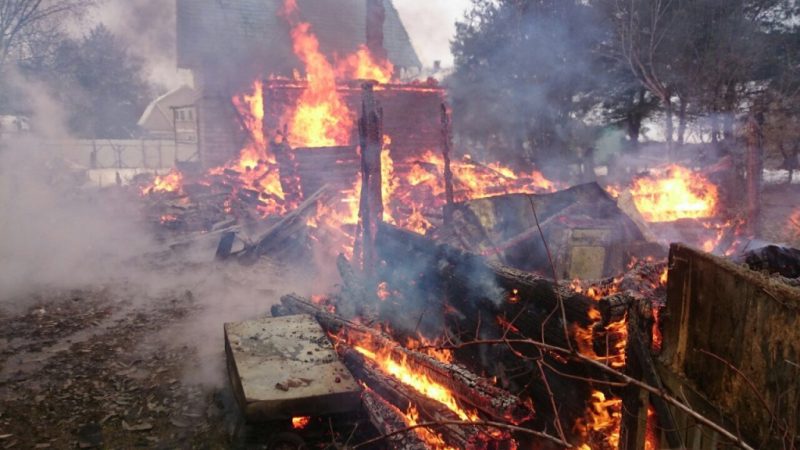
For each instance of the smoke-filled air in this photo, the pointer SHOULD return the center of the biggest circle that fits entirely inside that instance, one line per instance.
(400, 224)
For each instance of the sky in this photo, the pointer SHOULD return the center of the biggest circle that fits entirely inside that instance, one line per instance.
(431, 25)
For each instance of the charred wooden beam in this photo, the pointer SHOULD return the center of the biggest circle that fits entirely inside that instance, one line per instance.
(483, 301)
(447, 145)
(287, 229)
(370, 130)
(468, 387)
(641, 366)
(404, 397)
(389, 421)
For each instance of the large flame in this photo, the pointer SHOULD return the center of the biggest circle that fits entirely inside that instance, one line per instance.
(678, 194)
(413, 377)
(362, 65)
(320, 118)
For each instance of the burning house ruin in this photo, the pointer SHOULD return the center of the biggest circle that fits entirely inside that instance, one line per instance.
(464, 304)
(478, 307)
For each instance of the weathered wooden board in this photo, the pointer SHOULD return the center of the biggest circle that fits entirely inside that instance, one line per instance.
(284, 367)
(751, 322)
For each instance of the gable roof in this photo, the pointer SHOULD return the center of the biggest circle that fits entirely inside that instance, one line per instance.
(251, 33)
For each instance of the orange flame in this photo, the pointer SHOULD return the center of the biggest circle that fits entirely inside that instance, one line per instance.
(678, 194)
(298, 423)
(320, 118)
(401, 369)
(601, 424)
(171, 182)
(362, 65)
(256, 166)
(652, 438)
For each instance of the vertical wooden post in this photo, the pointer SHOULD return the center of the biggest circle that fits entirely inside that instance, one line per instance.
(447, 145)
(755, 170)
(370, 132)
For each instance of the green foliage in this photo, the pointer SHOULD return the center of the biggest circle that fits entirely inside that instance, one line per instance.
(527, 70)
(102, 86)
(524, 75)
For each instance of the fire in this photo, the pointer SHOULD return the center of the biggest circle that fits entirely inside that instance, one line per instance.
(171, 182)
(362, 65)
(601, 424)
(388, 180)
(430, 437)
(679, 194)
(320, 118)
(298, 423)
(657, 337)
(256, 167)
(652, 438)
(414, 378)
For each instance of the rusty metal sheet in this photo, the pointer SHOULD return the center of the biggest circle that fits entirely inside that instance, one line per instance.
(283, 367)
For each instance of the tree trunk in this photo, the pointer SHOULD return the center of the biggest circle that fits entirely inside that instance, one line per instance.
(669, 129)
(730, 108)
(682, 121)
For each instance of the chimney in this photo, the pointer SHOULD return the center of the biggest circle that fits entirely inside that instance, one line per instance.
(376, 16)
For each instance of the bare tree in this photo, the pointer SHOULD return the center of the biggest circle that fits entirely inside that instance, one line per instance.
(19, 19)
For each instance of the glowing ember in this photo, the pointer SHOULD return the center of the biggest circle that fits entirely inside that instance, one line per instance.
(678, 194)
(298, 423)
(362, 65)
(656, 336)
(652, 441)
(171, 182)
(420, 382)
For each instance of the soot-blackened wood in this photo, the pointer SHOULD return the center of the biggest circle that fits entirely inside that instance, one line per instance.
(447, 145)
(468, 387)
(288, 229)
(388, 419)
(370, 130)
(490, 301)
(638, 350)
(489, 285)
(354, 299)
(404, 398)
(613, 308)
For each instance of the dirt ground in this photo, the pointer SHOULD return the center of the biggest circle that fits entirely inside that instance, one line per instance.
(80, 370)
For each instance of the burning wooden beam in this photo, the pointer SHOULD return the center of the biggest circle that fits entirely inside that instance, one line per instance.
(473, 390)
(390, 421)
(370, 130)
(288, 228)
(403, 396)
